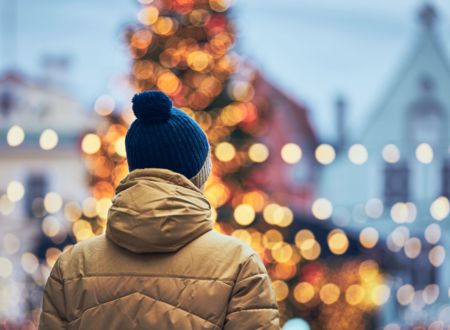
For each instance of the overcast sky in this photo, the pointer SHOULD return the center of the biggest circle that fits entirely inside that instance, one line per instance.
(310, 48)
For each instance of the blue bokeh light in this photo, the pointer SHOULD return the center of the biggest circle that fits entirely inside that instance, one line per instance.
(296, 324)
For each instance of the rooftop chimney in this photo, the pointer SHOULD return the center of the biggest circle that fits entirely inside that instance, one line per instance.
(428, 15)
(341, 118)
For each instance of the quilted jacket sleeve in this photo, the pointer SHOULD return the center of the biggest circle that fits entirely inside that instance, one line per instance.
(252, 305)
(53, 314)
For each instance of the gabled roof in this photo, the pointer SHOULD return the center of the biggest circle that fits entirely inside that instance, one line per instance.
(13, 77)
(36, 106)
(428, 39)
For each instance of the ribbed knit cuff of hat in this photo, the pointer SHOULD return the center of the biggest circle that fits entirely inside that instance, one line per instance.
(200, 178)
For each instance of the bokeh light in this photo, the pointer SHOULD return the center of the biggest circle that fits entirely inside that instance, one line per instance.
(354, 294)
(148, 15)
(82, 230)
(325, 154)
(310, 249)
(29, 262)
(89, 207)
(15, 136)
(244, 214)
(104, 105)
(430, 294)
(225, 151)
(424, 153)
(72, 211)
(368, 237)
(433, 233)
(296, 324)
(436, 256)
(304, 292)
(440, 208)
(91, 143)
(329, 293)
(53, 202)
(51, 226)
(291, 153)
(281, 289)
(380, 294)
(258, 152)
(15, 191)
(405, 294)
(374, 208)
(119, 147)
(302, 236)
(48, 139)
(391, 153)
(6, 267)
(322, 208)
(11, 243)
(338, 241)
(219, 5)
(413, 247)
(403, 212)
(6, 205)
(358, 154)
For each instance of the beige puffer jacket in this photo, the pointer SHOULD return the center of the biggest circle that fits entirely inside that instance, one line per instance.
(159, 266)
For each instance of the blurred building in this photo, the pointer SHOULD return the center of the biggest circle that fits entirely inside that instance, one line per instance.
(392, 184)
(40, 129)
(292, 177)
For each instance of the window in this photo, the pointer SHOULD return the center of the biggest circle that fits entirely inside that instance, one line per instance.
(36, 187)
(426, 117)
(6, 103)
(423, 273)
(446, 179)
(426, 123)
(396, 183)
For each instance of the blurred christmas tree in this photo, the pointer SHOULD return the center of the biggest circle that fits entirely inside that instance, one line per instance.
(183, 48)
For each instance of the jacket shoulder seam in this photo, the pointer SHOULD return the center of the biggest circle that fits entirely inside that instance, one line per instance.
(252, 275)
(253, 310)
(226, 281)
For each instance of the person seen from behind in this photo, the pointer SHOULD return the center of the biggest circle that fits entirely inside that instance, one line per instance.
(160, 265)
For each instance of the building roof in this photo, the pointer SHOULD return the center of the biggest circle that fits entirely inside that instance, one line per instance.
(427, 49)
(35, 106)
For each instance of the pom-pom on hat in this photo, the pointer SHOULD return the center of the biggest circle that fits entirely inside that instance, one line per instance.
(152, 106)
(165, 137)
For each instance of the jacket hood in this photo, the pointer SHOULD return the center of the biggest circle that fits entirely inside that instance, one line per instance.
(157, 210)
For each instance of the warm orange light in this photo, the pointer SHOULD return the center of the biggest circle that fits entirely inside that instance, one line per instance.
(199, 60)
(330, 293)
(168, 83)
(281, 289)
(244, 214)
(304, 292)
(148, 15)
(225, 151)
(91, 143)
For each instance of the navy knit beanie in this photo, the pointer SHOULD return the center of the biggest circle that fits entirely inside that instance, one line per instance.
(165, 137)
